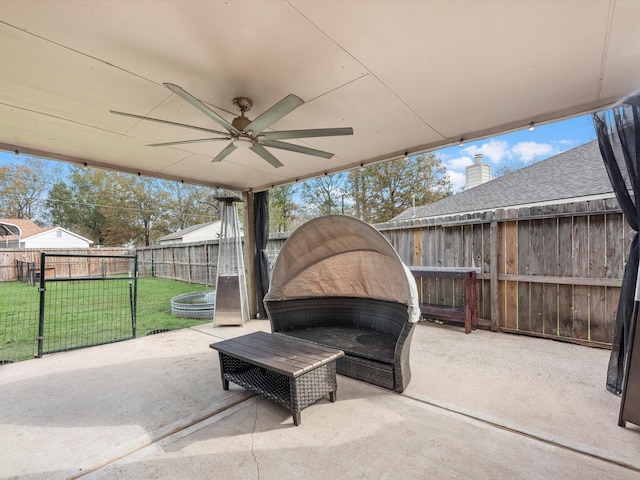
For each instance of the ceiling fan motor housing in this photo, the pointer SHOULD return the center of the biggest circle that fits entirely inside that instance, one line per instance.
(239, 123)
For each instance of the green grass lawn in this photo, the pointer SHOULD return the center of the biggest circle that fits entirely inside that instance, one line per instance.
(85, 313)
(154, 307)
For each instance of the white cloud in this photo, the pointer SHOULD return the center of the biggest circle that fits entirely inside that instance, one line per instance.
(493, 150)
(528, 151)
(458, 180)
(460, 162)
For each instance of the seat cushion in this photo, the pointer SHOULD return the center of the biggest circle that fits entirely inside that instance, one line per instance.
(357, 342)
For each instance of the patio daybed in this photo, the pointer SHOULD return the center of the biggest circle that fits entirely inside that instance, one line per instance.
(339, 283)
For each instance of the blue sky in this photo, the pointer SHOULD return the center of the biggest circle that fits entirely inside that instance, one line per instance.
(517, 148)
(521, 148)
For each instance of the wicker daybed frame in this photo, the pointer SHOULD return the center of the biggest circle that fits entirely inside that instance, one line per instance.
(338, 282)
(375, 335)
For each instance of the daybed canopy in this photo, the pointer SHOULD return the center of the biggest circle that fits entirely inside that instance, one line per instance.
(341, 256)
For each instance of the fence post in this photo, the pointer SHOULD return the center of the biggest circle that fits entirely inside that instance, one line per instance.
(42, 290)
(133, 297)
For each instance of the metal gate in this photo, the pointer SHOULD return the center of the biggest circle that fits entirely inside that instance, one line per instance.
(85, 300)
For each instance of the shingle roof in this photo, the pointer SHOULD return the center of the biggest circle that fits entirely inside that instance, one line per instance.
(579, 172)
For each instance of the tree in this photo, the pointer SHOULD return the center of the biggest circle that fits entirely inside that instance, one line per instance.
(76, 204)
(189, 205)
(114, 208)
(324, 195)
(282, 208)
(21, 188)
(382, 191)
(141, 218)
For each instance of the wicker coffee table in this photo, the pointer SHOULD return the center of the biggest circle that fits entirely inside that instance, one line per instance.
(291, 372)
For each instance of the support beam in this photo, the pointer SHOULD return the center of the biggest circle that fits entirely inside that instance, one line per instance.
(250, 252)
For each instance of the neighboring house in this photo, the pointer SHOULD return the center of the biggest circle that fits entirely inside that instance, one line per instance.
(195, 233)
(22, 233)
(576, 175)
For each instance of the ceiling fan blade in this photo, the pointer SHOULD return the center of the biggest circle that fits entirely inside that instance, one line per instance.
(297, 148)
(200, 106)
(184, 142)
(315, 132)
(223, 154)
(264, 153)
(166, 122)
(275, 113)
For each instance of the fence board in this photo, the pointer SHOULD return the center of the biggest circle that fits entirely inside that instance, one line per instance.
(524, 255)
(616, 248)
(417, 247)
(549, 256)
(510, 237)
(536, 267)
(485, 301)
(581, 259)
(565, 268)
(598, 315)
(454, 257)
(597, 268)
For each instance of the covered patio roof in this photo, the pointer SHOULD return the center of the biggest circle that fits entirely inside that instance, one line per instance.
(407, 76)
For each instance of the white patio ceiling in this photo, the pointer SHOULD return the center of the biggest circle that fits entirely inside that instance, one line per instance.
(407, 76)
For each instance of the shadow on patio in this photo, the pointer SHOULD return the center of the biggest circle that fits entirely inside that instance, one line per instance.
(484, 405)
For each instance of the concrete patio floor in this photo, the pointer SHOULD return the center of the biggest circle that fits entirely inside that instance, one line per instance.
(483, 405)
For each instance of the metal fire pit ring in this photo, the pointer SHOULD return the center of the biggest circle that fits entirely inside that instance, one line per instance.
(199, 305)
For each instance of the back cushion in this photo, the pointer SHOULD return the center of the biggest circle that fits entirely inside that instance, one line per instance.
(362, 313)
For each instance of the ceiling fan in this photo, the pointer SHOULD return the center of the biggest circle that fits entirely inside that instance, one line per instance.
(249, 134)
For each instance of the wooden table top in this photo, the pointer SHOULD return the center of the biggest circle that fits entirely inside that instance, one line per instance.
(443, 272)
(279, 353)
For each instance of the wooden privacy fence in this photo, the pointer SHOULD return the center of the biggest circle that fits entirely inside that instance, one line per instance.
(63, 267)
(192, 262)
(188, 262)
(552, 271)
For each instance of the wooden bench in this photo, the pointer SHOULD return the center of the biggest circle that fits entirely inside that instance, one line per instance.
(468, 312)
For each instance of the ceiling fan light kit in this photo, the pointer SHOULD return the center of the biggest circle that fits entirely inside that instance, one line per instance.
(242, 142)
(249, 134)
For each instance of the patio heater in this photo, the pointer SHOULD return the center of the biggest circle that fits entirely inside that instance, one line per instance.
(232, 305)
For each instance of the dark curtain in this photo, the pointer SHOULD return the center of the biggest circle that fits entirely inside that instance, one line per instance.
(618, 133)
(261, 216)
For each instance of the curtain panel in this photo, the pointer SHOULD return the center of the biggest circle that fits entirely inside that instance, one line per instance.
(261, 216)
(618, 132)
